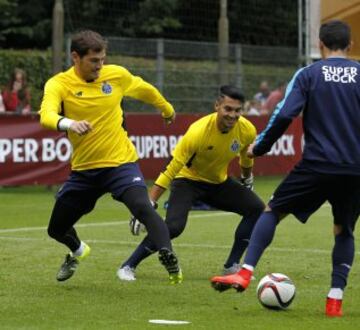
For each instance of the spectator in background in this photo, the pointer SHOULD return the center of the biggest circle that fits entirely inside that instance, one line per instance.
(253, 108)
(2, 107)
(263, 93)
(16, 95)
(274, 98)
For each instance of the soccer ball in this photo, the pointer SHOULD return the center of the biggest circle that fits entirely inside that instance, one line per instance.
(276, 291)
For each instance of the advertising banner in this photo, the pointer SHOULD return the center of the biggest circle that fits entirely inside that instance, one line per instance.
(30, 154)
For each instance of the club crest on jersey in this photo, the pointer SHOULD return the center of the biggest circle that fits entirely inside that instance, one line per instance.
(106, 88)
(235, 146)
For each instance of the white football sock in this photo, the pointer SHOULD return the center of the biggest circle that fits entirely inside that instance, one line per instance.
(80, 250)
(248, 267)
(336, 293)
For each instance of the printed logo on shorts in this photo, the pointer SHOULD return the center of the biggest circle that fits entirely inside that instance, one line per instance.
(344, 75)
(106, 88)
(235, 146)
(136, 179)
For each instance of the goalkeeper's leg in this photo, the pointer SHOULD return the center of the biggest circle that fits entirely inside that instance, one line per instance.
(234, 197)
(61, 228)
(137, 200)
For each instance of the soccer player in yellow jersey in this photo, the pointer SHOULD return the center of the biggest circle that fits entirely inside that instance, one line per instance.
(198, 171)
(85, 102)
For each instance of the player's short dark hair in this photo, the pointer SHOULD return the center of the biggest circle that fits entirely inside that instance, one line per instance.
(335, 34)
(83, 41)
(232, 92)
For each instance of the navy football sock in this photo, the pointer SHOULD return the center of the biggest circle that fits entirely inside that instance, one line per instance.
(241, 240)
(342, 259)
(237, 250)
(140, 253)
(261, 237)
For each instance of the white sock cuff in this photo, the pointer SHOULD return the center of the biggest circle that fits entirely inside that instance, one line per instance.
(80, 250)
(248, 267)
(336, 293)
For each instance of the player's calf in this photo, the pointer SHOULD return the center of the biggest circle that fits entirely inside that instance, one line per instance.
(169, 260)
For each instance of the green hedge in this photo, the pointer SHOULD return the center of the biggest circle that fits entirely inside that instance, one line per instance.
(190, 85)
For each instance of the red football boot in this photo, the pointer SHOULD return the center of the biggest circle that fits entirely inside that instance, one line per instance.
(333, 307)
(239, 281)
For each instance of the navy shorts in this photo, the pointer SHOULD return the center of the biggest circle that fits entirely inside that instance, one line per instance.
(83, 188)
(303, 191)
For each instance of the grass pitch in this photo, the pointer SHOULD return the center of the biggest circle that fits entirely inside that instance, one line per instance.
(31, 298)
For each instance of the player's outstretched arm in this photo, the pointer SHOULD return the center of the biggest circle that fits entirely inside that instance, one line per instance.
(156, 192)
(171, 119)
(249, 152)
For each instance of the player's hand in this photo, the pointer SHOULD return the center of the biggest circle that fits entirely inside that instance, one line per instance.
(81, 127)
(249, 152)
(170, 120)
(247, 182)
(136, 227)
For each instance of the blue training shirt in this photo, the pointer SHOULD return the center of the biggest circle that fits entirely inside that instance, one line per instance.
(328, 93)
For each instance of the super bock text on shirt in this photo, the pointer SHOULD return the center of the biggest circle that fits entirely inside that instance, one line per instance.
(344, 75)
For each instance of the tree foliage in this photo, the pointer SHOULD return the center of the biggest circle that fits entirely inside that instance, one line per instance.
(132, 18)
(27, 23)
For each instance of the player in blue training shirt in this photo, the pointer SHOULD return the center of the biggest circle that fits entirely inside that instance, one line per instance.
(328, 94)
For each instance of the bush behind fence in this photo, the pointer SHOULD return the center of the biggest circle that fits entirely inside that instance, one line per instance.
(185, 71)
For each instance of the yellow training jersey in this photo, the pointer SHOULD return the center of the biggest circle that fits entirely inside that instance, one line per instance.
(204, 152)
(98, 102)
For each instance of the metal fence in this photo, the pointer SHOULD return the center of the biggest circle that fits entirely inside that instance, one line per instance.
(187, 72)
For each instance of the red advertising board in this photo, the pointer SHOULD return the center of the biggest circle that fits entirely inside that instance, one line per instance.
(30, 154)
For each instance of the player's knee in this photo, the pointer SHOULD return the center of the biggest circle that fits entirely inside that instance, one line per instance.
(343, 232)
(54, 233)
(267, 209)
(259, 207)
(51, 232)
(175, 229)
(256, 209)
(143, 211)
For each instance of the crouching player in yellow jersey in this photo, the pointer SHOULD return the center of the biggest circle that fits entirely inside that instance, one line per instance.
(85, 102)
(198, 171)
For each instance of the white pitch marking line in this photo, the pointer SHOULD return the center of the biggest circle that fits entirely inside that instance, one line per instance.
(177, 245)
(173, 322)
(122, 222)
(112, 223)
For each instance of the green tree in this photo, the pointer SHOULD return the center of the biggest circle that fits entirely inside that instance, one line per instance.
(152, 18)
(25, 23)
(7, 18)
(135, 18)
(263, 22)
